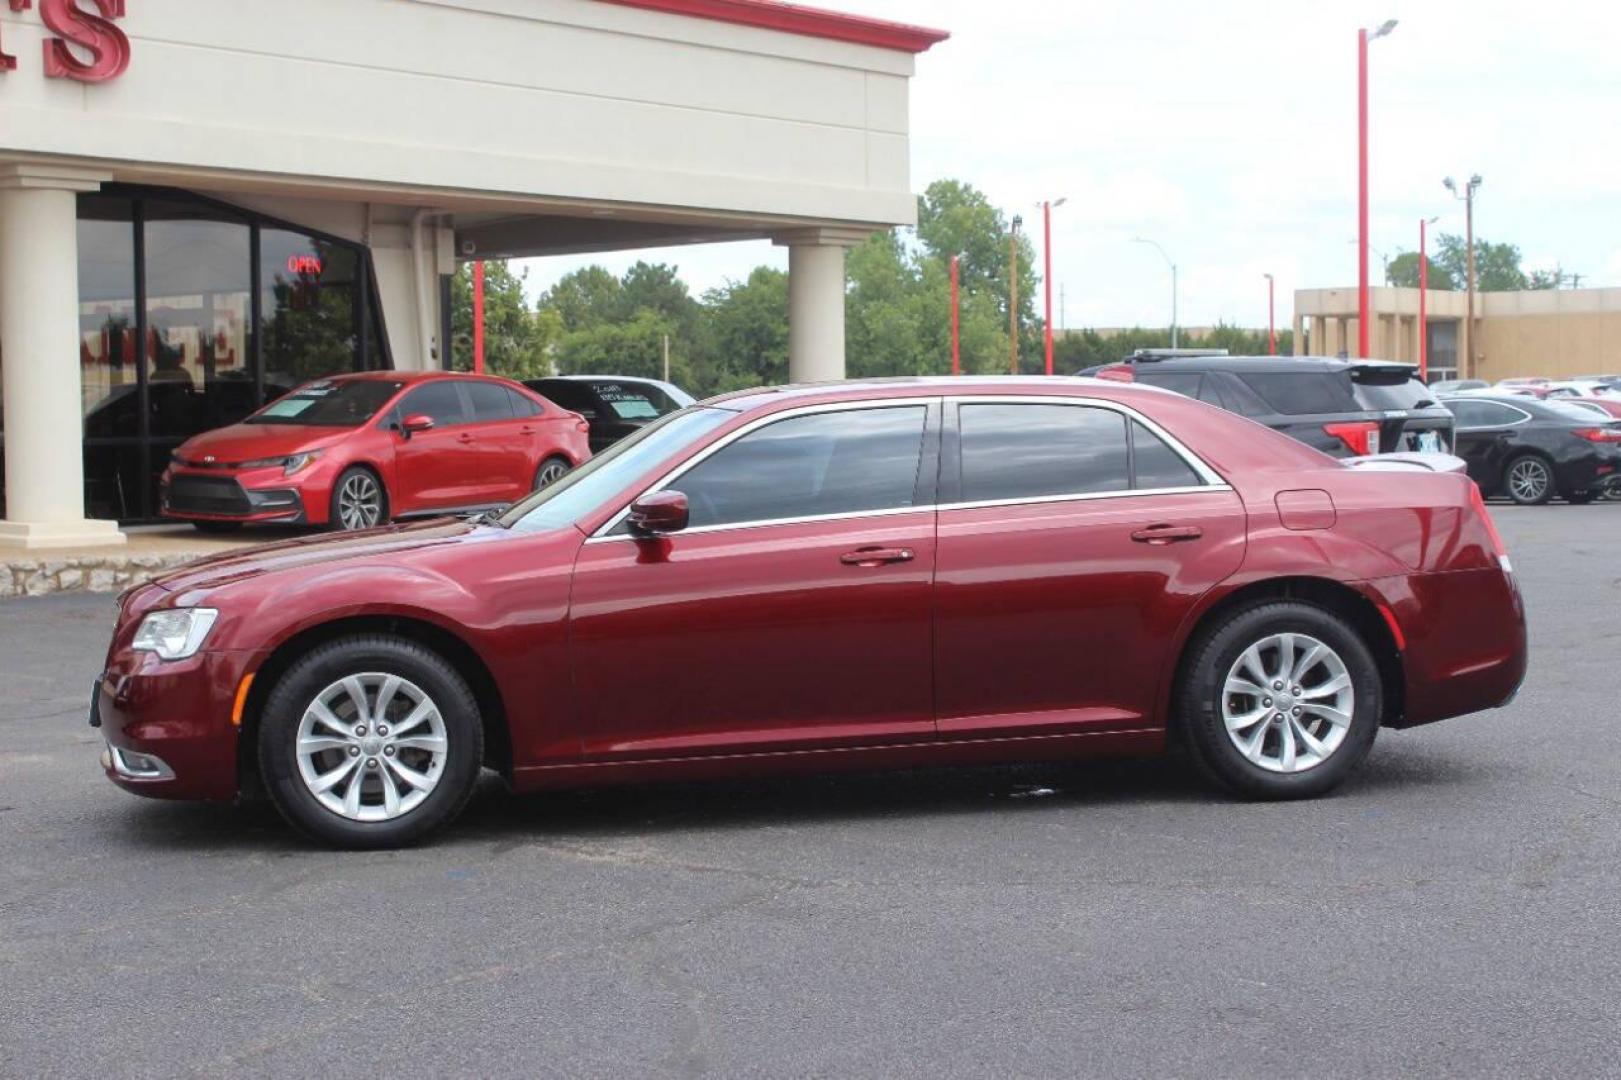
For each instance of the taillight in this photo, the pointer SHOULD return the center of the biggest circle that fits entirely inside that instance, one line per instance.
(1593, 434)
(1361, 436)
(1491, 526)
(1118, 373)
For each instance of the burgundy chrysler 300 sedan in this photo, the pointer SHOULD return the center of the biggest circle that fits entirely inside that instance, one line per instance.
(879, 574)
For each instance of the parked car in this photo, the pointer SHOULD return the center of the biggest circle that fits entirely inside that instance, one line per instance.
(1531, 450)
(873, 574)
(1452, 386)
(356, 451)
(1609, 408)
(1536, 387)
(614, 406)
(1578, 389)
(1343, 408)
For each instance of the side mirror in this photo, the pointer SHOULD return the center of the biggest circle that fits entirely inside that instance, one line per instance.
(659, 513)
(414, 423)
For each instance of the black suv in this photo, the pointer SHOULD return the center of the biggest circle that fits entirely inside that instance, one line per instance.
(1346, 408)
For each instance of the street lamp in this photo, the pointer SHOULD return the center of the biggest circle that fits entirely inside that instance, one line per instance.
(1363, 36)
(1423, 292)
(1271, 317)
(1172, 265)
(1468, 198)
(1047, 270)
(1013, 293)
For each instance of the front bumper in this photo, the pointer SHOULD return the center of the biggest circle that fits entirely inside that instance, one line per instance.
(176, 715)
(197, 495)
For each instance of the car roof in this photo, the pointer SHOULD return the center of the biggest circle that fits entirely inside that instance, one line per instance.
(1248, 364)
(908, 386)
(408, 376)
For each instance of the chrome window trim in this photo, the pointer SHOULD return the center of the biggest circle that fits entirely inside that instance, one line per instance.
(754, 425)
(1213, 480)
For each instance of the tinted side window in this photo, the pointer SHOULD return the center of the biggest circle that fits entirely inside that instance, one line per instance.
(807, 466)
(1238, 398)
(1302, 393)
(575, 397)
(1027, 451)
(490, 402)
(1185, 383)
(1156, 465)
(521, 406)
(438, 400)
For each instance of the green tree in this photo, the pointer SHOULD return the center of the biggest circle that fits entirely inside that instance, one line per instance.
(748, 333)
(954, 218)
(1497, 266)
(588, 297)
(516, 343)
(1403, 272)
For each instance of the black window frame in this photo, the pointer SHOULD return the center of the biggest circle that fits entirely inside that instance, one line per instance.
(372, 352)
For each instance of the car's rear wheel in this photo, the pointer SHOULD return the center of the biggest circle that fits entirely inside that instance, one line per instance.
(550, 472)
(1280, 700)
(1528, 480)
(359, 500)
(370, 742)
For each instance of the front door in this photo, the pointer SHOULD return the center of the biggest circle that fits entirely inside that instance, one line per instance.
(794, 611)
(1076, 541)
(433, 468)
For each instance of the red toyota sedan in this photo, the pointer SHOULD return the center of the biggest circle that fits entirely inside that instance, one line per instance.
(355, 451)
(879, 574)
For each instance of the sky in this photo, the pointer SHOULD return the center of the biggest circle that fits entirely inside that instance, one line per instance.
(1226, 132)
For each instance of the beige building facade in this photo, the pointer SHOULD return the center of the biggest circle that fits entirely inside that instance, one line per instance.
(204, 203)
(1558, 333)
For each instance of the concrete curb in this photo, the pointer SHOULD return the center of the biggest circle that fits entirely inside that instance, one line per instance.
(83, 573)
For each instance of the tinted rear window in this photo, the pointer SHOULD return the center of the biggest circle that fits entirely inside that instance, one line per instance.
(1383, 391)
(1024, 451)
(1303, 393)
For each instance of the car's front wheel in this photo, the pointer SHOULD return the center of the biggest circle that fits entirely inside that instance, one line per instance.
(370, 741)
(359, 500)
(1280, 700)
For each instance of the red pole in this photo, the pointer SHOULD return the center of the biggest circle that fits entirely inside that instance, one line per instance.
(1362, 191)
(478, 316)
(956, 323)
(1271, 318)
(1423, 315)
(1047, 275)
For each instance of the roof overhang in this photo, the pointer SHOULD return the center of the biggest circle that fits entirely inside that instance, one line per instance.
(796, 19)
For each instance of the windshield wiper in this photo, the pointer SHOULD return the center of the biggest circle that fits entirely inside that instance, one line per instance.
(488, 517)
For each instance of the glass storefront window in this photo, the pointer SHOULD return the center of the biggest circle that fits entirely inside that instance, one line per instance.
(309, 308)
(107, 364)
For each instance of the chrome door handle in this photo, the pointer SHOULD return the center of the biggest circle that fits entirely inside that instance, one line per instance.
(876, 556)
(1167, 534)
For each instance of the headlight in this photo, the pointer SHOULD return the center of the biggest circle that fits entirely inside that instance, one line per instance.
(298, 461)
(176, 633)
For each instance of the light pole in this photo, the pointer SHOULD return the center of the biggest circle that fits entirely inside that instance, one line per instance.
(1013, 293)
(1363, 36)
(1047, 270)
(1172, 265)
(1423, 294)
(1271, 317)
(1468, 198)
(956, 321)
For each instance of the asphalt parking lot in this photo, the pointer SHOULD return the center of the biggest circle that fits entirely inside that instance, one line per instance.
(1454, 910)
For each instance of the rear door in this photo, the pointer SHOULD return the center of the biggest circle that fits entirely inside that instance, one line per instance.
(1485, 434)
(501, 450)
(1074, 538)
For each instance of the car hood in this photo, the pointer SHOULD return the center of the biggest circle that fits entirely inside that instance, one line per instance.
(387, 544)
(250, 442)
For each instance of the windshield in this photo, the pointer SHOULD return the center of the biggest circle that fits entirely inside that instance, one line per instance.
(632, 402)
(593, 484)
(329, 403)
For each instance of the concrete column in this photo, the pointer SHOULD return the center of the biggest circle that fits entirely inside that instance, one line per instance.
(816, 301)
(39, 339)
(1299, 346)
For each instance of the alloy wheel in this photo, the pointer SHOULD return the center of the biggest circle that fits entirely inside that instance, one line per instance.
(550, 472)
(1288, 702)
(360, 501)
(372, 747)
(1528, 480)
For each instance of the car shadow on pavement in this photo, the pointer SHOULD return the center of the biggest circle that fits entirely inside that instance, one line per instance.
(496, 815)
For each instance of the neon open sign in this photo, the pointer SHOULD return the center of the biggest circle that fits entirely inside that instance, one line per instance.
(304, 264)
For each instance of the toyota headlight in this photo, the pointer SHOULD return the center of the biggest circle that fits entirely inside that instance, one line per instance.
(298, 461)
(176, 633)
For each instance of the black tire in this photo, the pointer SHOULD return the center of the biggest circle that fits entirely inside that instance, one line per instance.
(1528, 462)
(1580, 498)
(361, 476)
(1201, 693)
(548, 471)
(315, 672)
(216, 526)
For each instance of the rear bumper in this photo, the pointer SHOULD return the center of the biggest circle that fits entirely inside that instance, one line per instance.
(176, 713)
(1466, 647)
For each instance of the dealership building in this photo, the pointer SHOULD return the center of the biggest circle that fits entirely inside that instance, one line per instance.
(203, 204)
